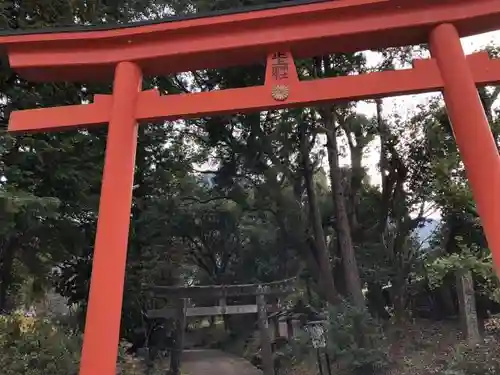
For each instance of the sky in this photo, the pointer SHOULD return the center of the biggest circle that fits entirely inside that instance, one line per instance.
(404, 105)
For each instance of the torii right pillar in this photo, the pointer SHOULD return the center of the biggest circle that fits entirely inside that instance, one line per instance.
(471, 129)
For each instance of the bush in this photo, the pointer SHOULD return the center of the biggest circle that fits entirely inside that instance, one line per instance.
(35, 346)
(297, 351)
(356, 341)
(482, 359)
(30, 346)
(129, 365)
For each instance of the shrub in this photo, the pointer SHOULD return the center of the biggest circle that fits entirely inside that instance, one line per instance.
(36, 346)
(355, 343)
(481, 359)
(128, 364)
(297, 351)
(355, 340)
(30, 346)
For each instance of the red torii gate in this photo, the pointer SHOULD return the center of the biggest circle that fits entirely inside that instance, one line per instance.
(295, 29)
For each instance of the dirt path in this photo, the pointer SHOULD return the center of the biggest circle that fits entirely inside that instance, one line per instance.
(214, 362)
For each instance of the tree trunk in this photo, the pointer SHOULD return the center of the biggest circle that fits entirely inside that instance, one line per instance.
(447, 305)
(357, 174)
(6, 264)
(349, 262)
(488, 100)
(399, 300)
(304, 244)
(376, 301)
(339, 271)
(467, 306)
(322, 254)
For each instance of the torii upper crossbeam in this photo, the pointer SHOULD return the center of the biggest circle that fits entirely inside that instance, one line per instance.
(274, 34)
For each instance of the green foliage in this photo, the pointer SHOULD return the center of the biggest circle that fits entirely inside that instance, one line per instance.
(355, 340)
(469, 258)
(296, 351)
(31, 346)
(481, 359)
(35, 346)
(355, 343)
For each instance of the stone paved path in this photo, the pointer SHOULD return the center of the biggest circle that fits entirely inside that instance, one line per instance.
(214, 362)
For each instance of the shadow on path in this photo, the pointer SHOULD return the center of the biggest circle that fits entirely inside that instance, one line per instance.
(214, 362)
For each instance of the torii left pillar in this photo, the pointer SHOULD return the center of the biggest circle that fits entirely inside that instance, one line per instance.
(102, 326)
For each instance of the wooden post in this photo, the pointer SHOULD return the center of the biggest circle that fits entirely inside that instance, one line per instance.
(180, 326)
(328, 364)
(102, 326)
(223, 304)
(467, 306)
(318, 358)
(289, 328)
(276, 321)
(276, 327)
(225, 318)
(265, 341)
